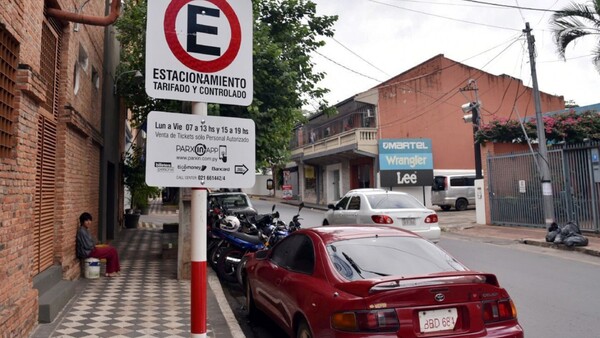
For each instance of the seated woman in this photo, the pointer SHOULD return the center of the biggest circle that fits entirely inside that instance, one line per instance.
(86, 247)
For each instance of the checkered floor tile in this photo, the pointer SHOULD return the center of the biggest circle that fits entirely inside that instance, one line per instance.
(147, 300)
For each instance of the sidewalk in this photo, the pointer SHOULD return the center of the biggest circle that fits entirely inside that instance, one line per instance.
(147, 300)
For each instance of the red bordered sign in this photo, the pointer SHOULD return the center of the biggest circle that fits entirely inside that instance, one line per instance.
(200, 50)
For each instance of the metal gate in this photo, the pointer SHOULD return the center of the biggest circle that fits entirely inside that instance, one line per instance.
(515, 190)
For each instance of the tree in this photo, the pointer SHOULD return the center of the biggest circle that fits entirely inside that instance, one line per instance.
(134, 173)
(574, 22)
(285, 32)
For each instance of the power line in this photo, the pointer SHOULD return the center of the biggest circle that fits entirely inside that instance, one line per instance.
(444, 17)
(510, 6)
(347, 68)
(360, 57)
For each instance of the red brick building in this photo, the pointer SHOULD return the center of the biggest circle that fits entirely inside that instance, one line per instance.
(52, 77)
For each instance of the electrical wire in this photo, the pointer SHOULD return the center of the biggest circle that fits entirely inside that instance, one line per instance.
(360, 57)
(444, 17)
(509, 6)
(347, 68)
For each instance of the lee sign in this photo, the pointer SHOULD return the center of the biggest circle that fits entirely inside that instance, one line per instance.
(195, 151)
(200, 51)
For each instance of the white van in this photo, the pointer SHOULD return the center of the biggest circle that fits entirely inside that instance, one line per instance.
(456, 191)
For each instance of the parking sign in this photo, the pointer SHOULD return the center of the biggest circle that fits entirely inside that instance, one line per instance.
(200, 51)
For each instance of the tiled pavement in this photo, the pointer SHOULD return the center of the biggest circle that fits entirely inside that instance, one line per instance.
(147, 300)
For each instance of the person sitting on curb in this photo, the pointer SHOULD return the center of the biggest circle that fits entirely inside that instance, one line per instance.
(86, 247)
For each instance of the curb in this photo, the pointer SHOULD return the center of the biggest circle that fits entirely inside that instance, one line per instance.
(584, 250)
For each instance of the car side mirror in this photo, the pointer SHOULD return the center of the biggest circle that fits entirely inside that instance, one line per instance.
(331, 206)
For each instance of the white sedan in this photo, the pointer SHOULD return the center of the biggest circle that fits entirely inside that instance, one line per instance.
(379, 206)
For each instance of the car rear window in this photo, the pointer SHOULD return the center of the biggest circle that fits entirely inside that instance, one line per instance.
(233, 201)
(389, 256)
(439, 183)
(393, 201)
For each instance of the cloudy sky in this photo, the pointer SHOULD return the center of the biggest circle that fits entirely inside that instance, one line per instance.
(378, 39)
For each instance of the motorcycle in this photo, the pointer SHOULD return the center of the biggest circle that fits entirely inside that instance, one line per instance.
(270, 229)
(295, 222)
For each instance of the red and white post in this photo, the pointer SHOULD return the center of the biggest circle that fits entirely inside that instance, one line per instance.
(198, 245)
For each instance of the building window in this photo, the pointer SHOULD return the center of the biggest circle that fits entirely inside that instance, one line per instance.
(9, 49)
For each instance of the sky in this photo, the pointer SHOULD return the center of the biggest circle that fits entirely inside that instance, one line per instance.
(376, 40)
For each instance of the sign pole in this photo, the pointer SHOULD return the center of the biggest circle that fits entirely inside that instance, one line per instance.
(198, 246)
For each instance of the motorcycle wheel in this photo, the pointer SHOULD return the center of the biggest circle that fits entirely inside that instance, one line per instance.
(215, 253)
(225, 267)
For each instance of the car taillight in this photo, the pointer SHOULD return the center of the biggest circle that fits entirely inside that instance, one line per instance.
(383, 320)
(499, 310)
(433, 218)
(382, 219)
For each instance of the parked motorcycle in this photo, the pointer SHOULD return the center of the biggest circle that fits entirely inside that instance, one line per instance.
(229, 256)
(270, 229)
(295, 222)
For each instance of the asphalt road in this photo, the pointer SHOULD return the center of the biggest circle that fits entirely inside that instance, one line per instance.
(556, 292)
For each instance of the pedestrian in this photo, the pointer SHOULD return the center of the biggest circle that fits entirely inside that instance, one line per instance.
(87, 247)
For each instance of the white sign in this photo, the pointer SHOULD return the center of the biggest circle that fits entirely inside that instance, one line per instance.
(200, 51)
(522, 188)
(184, 150)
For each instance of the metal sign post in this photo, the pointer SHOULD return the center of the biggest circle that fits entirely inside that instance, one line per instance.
(199, 51)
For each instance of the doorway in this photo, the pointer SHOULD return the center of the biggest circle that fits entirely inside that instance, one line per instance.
(334, 189)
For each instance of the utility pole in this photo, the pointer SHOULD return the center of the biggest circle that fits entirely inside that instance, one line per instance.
(473, 107)
(542, 149)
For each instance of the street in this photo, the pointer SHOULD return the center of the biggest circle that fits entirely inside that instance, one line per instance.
(555, 292)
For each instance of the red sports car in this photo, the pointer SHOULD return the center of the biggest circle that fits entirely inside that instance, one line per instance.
(373, 281)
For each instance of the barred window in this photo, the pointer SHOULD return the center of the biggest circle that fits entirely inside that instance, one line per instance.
(9, 49)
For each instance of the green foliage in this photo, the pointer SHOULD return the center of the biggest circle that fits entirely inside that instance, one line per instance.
(285, 32)
(134, 173)
(568, 127)
(574, 22)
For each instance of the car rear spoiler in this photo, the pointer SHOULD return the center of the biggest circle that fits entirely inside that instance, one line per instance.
(369, 286)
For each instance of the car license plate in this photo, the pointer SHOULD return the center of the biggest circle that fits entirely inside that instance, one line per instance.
(438, 320)
(409, 221)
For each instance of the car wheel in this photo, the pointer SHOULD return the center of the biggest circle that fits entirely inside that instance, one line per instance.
(228, 261)
(239, 271)
(461, 204)
(303, 330)
(445, 207)
(250, 309)
(325, 222)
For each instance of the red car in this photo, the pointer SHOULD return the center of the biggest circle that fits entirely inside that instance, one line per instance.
(373, 281)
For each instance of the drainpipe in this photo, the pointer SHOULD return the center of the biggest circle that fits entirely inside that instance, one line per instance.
(88, 19)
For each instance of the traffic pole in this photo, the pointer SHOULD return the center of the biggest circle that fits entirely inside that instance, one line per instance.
(198, 246)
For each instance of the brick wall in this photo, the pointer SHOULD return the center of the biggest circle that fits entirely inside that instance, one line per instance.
(79, 146)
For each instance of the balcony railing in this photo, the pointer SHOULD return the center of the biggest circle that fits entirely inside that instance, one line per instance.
(365, 140)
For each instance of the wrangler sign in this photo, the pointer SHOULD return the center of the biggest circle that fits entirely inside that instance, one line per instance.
(200, 51)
